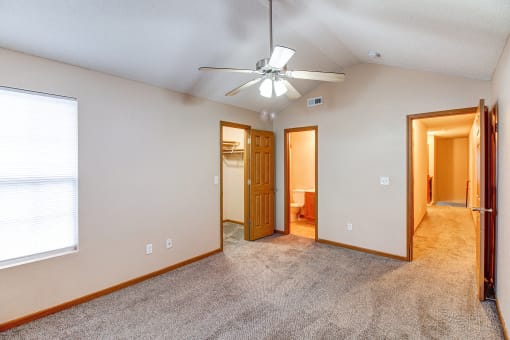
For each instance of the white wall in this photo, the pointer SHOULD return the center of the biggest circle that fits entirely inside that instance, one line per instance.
(501, 95)
(233, 177)
(362, 135)
(147, 158)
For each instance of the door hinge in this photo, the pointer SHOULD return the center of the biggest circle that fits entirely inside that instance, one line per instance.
(249, 181)
(249, 141)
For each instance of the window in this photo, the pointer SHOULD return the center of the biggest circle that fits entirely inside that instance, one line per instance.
(38, 176)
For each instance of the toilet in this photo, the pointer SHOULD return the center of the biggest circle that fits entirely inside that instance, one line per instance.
(296, 205)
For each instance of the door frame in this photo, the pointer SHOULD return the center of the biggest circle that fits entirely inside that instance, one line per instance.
(286, 200)
(410, 177)
(246, 164)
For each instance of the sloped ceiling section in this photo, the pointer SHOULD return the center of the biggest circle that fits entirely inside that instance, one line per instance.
(163, 42)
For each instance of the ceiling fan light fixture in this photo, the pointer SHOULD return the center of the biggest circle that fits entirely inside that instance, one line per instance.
(266, 88)
(279, 87)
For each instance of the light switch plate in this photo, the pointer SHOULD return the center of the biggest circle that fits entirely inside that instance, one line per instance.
(384, 180)
(216, 180)
(148, 249)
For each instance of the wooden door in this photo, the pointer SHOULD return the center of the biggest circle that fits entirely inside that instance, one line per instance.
(486, 223)
(261, 184)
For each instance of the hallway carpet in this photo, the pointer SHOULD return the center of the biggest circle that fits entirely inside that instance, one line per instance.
(287, 287)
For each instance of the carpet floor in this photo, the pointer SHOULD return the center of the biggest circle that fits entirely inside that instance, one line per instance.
(288, 287)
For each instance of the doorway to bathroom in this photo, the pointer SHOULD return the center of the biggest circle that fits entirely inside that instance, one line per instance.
(301, 181)
(234, 172)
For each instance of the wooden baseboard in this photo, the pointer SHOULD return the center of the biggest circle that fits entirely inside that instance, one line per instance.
(502, 321)
(233, 221)
(364, 250)
(37, 315)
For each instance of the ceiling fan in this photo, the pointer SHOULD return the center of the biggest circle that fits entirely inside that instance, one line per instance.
(273, 72)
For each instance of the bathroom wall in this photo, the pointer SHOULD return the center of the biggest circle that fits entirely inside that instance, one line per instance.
(420, 170)
(452, 169)
(302, 160)
(233, 177)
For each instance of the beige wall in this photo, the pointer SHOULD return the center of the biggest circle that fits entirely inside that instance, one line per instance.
(362, 135)
(233, 177)
(302, 157)
(501, 95)
(431, 146)
(451, 169)
(147, 160)
(420, 170)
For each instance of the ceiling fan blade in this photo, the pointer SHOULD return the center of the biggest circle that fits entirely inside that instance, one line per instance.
(227, 69)
(281, 56)
(292, 93)
(242, 87)
(316, 75)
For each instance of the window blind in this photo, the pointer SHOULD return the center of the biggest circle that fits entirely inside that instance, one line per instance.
(38, 176)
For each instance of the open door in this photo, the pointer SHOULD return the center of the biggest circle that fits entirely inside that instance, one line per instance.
(261, 219)
(486, 223)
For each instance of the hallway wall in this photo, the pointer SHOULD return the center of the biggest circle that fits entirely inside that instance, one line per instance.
(420, 170)
(452, 156)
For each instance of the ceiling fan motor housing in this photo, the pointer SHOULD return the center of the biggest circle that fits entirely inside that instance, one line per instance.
(262, 65)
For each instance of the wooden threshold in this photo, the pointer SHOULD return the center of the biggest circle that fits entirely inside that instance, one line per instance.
(501, 321)
(45, 312)
(234, 221)
(364, 250)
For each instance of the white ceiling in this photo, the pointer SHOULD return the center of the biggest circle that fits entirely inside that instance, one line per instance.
(163, 42)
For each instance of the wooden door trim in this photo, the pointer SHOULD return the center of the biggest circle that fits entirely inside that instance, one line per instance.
(286, 200)
(410, 177)
(247, 130)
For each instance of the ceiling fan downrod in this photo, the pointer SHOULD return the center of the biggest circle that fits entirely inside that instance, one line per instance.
(270, 27)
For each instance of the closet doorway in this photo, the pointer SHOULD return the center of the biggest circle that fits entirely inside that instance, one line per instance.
(234, 174)
(301, 181)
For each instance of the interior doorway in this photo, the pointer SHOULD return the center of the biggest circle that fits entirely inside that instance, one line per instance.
(234, 174)
(451, 163)
(246, 183)
(301, 181)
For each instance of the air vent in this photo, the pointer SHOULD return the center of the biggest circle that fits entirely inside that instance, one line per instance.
(314, 101)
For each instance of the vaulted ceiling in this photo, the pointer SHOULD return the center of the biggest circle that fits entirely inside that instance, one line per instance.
(163, 42)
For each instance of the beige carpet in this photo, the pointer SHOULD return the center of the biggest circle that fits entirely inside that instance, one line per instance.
(287, 287)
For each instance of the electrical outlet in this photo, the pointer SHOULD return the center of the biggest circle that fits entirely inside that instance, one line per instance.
(148, 249)
(349, 226)
(169, 243)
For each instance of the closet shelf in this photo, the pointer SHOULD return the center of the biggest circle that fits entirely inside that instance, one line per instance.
(231, 148)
